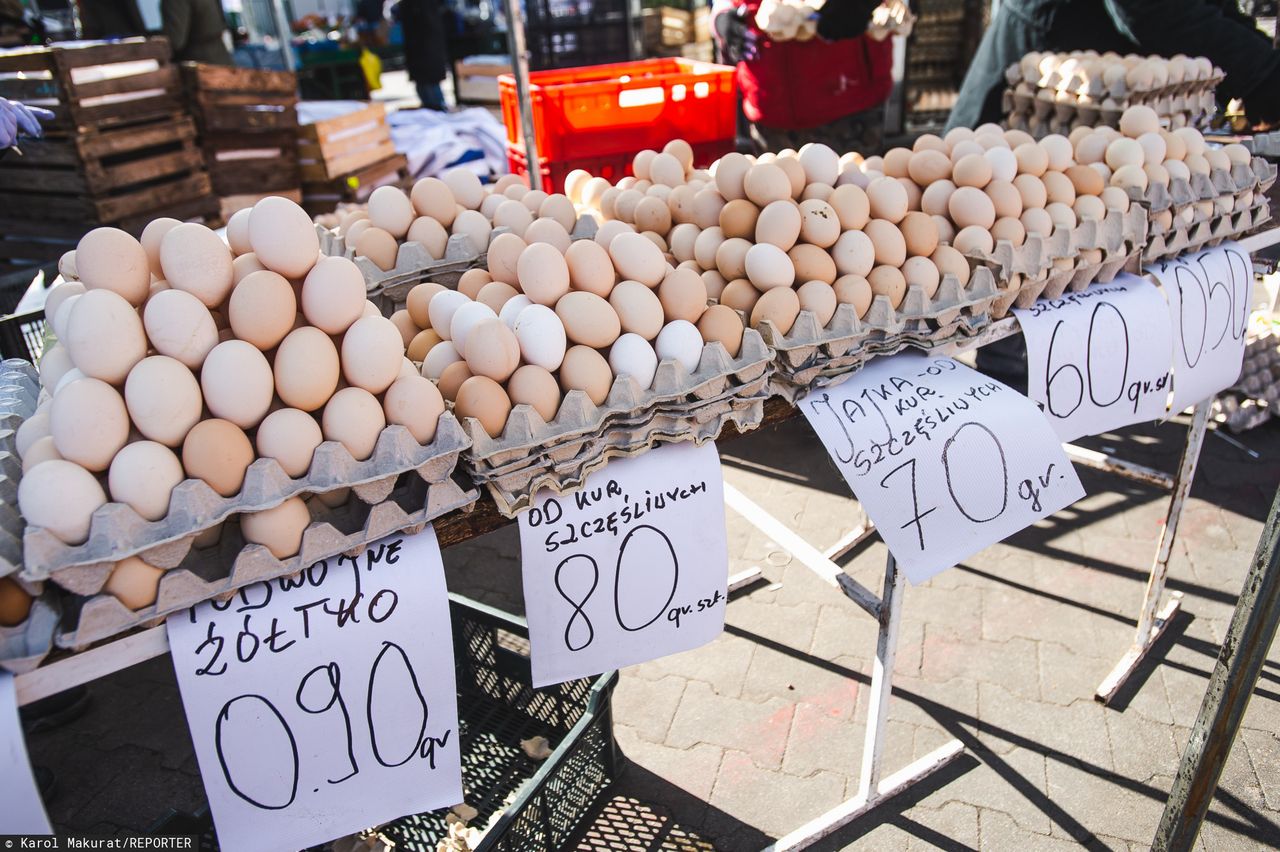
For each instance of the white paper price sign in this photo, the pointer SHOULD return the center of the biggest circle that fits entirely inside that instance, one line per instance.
(1100, 358)
(21, 811)
(325, 703)
(1209, 298)
(945, 460)
(632, 567)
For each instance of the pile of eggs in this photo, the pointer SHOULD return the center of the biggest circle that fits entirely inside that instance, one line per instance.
(546, 319)
(180, 357)
(1180, 89)
(454, 204)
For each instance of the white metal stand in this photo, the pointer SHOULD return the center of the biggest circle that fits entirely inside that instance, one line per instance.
(887, 610)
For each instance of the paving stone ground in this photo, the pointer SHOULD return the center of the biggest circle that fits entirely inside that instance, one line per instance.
(737, 742)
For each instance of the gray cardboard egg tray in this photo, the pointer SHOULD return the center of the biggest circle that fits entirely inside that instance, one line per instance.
(218, 571)
(19, 390)
(1207, 233)
(1257, 177)
(1057, 115)
(117, 531)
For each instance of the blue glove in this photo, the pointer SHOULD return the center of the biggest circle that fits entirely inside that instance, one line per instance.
(19, 119)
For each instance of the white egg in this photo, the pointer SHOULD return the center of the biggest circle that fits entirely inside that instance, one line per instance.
(680, 341)
(465, 318)
(511, 309)
(541, 335)
(1004, 165)
(631, 355)
(441, 308)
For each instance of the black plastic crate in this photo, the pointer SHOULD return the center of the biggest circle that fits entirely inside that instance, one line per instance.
(22, 336)
(570, 33)
(497, 708)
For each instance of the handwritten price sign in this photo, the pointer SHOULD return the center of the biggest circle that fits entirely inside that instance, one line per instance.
(944, 460)
(1099, 359)
(1208, 295)
(632, 567)
(325, 703)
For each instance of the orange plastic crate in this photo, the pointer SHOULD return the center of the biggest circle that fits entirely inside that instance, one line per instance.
(625, 107)
(611, 167)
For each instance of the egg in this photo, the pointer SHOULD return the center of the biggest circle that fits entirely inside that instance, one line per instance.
(1060, 151)
(432, 197)
(429, 234)
(421, 344)
(405, 325)
(721, 324)
(262, 309)
(196, 260)
(417, 301)
(438, 358)
(929, 165)
(1003, 162)
(533, 386)
(1005, 199)
(372, 349)
(1031, 159)
(60, 496)
(153, 235)
(559, 208)
(41, 451)
(820, 163)
(889, 282)
(103, 335)
(1032, 191)
(729, 173)
(110, 259)
(586, 370)
(707, 204)
(972, 170)
(1130, 176)
(465, 186)
(764, 183)
(740, 295)
(143, 476)
(15, 603)
(951, 262)
(474, 280)
(279, 529)
(970, 206)
(290, 437)
(379, 246)
(714, 282)
(854, 253)
(778, 224)
(484, 400)
(134, 583)
(819, 298)
(352, 233)
(666, 170)
(59, 294)
(543, 273)
(682, 239)
(391, 210)
(242, 266)
(306, 369)
(638, 308)
(586, 318)
(632, 355)
(811, 263)
(1139, 119)
(919, 234)
(89, 423)
(780, 306)
(492, 350)
(354, 418)
(217, 452)
(921, 272)
(854, 290)
(32, 429)
(465, 318)
(1036, 221)
(512, 308)
(237, 383)
(768, 267)
(415, 403)
(890, 245)
(541, 334)
(680, 341)
(683, 296)
(638, 259)
(451, 379)
(1062, 215)
(475, 227)
(163, 399)
(974, 239)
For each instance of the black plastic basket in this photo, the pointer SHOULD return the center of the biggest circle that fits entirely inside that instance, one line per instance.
(498, 708)
(22, 336)
(570, 33)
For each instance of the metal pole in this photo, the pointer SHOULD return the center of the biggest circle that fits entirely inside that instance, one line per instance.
(520, 69)
(1244, 650)
(283, 33)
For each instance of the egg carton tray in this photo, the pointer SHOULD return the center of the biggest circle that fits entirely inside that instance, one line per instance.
(1120, 90)
(511, 493)
(633, 428)
(716, 373)
(1044, 117)
(117, 531)
(1208, 233)
(19, 390)
(24, 646)
(414, 264)
(1257, 176)
(204, 574)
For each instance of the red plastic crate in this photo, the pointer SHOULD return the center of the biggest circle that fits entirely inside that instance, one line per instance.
(625, 107)
(612, 167)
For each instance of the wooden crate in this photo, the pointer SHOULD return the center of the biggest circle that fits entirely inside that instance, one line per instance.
(94, 84)
(229, 204)
(477, 82)
(106, 176)
(355, 188)
(337, 147)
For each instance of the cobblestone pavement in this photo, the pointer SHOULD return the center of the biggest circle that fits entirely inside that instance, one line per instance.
(746, 738)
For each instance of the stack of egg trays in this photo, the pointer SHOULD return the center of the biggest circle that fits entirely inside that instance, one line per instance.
(679, 406)
(23, 646)
(1047, 111)
(1046, 267)
(194, 573)
(809, 356)
(1189, 229)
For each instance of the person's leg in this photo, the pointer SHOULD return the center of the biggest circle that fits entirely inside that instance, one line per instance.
(432, 96)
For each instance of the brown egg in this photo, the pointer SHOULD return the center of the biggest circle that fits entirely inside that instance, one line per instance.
(430, 234)
(920, 272)
(971, 206)
(812, 263)
(280, 528)
(495, 294)
(504, 256)
(484, 399)
(740, 295)
(492, 349)
(354, 418)
(819, 298)
(1031, 190)
(731, 258)
(543, 273)
(432, 197)
(638, 308)
(888, 281)
(778, 224)
(683, 296)
(780, 306)
(890, 246)
(15, 603)
(110, 259)
(928, 166)
(974, 239)
(290, 437)
(379, 247)
(1036, 221)
(819, 224)
(262, 309)
(590, 268)
(919, 233)
(306, 369)
(854, 290)
(653, 214)
(418, 299)
(586, 370)
(888, 200)
(218, 452)
(897, 162)
(1085, 181)
(951, 262)
(405, 325)
(134, 583)
(415, 403)
(534, 386)
(1059, 189)
(474, 280)
(851, 205)
(451, 378)
(972, 170)
(765, 183)
(1032, 159)
(1010, 230)
(721, 323)
(1005, 198)
(372, 350)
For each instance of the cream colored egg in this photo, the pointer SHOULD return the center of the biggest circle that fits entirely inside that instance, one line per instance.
(103, 335)
(533, 386)
(543, 273)
(391, 210)
(196, 260)
(778, 224)
(110, 259)
(283, 237)
(779, 306)
(143, 476)
(238, 232)
(306, 369)
(42, 450)
(492, 350)
(290, 437)
(163, 399)
(854, 290)
(244, 265)
(60, 496)
(354, 418)
(237, 383)
(890, 245)
(89, 423)
(432, 197)
(134, 583)
(637, 259)
(217, 452)
(262, 309)
(638, 308)
(768, 267)
(415, 403)
(430, 234)
(854, 253)
(819, 298)
(278, 529)
(372, 350)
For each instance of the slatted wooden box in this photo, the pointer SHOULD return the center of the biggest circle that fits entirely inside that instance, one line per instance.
(333, 148)
(355, 188)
